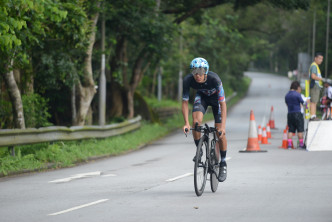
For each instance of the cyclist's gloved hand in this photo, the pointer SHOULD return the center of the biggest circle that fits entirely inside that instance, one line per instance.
(186, 128)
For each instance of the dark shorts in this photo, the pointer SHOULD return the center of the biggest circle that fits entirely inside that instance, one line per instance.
(295, 122)
(202, 102)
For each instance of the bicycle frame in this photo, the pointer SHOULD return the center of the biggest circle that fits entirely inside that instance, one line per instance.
(211, 163)
(206, 131)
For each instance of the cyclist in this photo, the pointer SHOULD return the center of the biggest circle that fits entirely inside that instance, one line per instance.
(328, 102)
(328, 93)
(210, 92)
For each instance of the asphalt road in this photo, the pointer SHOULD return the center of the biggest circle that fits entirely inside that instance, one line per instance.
(156, 182)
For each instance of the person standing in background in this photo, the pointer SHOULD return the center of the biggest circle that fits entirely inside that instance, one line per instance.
(316, 84)
(295, 120)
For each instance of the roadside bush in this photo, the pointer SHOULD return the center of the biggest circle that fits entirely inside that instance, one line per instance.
(35, 111)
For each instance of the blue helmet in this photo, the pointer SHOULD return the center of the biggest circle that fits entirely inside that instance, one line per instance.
(200, 63)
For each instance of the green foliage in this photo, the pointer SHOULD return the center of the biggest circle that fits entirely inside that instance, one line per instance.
(5, 114)
(35, 111)
(23, 25)
(59, 59)
(48, 39)
(154, 103)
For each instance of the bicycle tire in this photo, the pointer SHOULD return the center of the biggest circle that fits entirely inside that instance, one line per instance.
(201, 166)
(214, 182)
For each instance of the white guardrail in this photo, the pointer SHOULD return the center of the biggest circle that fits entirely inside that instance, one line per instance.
(15, 137)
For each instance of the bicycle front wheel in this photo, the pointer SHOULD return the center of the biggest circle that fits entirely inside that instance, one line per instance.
(201, 166)
(215, 166)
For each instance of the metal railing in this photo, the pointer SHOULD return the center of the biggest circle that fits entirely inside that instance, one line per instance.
(15, 137)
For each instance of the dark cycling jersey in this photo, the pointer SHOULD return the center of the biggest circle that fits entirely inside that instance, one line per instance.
(293, 100)
(211, 87)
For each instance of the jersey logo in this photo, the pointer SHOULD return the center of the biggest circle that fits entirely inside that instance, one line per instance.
(208, 92)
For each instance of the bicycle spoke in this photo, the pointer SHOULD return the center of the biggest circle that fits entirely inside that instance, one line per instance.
(200, 171)
(215, 168)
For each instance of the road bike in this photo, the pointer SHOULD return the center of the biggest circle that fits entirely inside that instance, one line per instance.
(207, 159)
(326, 110)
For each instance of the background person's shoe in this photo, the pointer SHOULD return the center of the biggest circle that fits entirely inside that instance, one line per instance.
(303, 147)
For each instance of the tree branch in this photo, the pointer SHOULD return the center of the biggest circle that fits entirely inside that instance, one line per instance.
(187, 13)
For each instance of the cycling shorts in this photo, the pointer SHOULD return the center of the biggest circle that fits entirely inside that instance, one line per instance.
(202, 102)
(295, 122)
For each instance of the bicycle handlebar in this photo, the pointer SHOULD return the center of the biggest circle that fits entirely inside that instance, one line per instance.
(203, 129)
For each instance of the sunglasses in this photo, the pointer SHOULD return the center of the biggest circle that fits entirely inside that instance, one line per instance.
(198, 71)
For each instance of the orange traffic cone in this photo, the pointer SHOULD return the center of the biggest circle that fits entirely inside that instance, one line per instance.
(268, 131)
(259, 133)
(284, 140)
(252, 145)
(264, 137)
(271, 121)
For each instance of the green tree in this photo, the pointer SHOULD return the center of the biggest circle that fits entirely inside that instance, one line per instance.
(17, 36)
(142, 35)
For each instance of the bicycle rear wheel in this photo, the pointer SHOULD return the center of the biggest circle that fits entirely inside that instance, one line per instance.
(215, 165)
(201, 166)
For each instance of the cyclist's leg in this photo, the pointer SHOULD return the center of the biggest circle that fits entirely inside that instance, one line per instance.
(217, 119)
(222, 144)
(329, 107)
(199, 109)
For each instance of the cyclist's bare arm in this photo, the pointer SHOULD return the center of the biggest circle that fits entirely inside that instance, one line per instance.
(185, 113)
(223, 108)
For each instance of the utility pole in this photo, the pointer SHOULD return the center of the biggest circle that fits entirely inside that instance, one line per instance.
(327, 38)
(102, 79)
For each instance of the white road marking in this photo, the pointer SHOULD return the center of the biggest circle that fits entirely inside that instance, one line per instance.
(77, 176)
(109, 175)
(179, 177)
(187, 174)
(78, 207)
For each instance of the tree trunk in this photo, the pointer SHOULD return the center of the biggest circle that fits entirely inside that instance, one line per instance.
(154, 79)
(86, 89)
(16, 100)
(73, 105)
(136, 78)
(130, 98)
